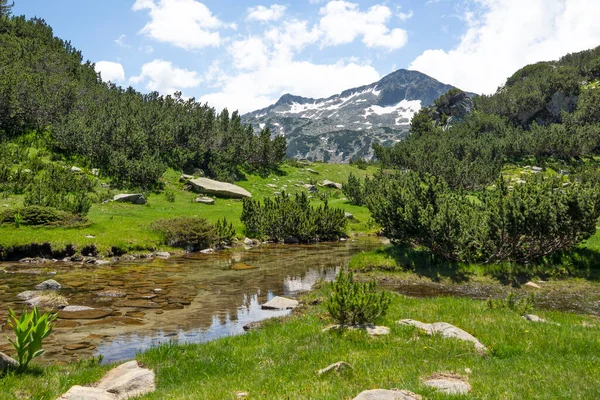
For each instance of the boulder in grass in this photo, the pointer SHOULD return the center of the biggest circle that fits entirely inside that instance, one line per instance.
(446, 330)
(185, 177)
(76, 170)
(133, 198)
(223, 189)
(204, 200)
(333, 185)
(449, 384)
(7, 363)
(280, 303)
(128, 380)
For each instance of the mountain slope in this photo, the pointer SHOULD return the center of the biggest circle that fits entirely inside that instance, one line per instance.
(344, 126)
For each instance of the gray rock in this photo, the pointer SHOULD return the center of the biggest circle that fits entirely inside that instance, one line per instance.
(311, 188)
(337, 367)
(533, 318)
(312, 171)
(185, 177)
(561, 102)
(348, 215)
(163, 254)
(47, 301)
(87, 393)
(95, 171)
(448, 384)
(7, 363)
(28, 294)
(83, 312)
(271, 186)
(133, 198)
(333, 185)
(209, 186)
(101, 262)
(207, 251)
(279, 303)
(128, 380)
(446, 330)
(75, 169)
(537, 169)
(204, 200)
(382, 394)
(50, 284)
(372, 330)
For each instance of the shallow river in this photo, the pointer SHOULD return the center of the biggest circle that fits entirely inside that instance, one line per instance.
(194, 298)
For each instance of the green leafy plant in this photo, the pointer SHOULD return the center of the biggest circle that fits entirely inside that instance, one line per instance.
(170, 196)
(520, 306)
(18, 219)
(30, 329)
(355, 303)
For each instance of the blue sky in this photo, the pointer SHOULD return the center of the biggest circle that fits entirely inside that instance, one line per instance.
(245, 54)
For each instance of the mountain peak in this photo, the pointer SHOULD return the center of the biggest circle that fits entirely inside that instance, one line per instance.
(344, 126)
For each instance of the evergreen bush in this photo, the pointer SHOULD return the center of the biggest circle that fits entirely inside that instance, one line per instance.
(355, 303)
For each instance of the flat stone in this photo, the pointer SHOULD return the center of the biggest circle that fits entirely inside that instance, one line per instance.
(312, 171)
(101, 262)
(205, 200)
(382, 394)
(207, 251)
(50, 284)
(137, 304)
(336, 367)
(7, 363)
(75, 169)
(448, 383)
(128, 380)
(65, 323)
(446, 330)
(82, 312)
(185, 177)
(533, 318)
(111, 293)
(271, 186)
(133, 198)
(112, 321)
(333, 185)
(77, 346)
(210, 186)
(279, 303)
(372, 330)
(29, 294)
(242, 267)
(87, 393)
(165, 255)
(533, 285)
(348, 215)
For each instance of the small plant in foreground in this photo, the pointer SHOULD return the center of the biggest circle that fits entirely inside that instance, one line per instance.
(30, 329)
(18, 220)
(355, 303)
(521, 306)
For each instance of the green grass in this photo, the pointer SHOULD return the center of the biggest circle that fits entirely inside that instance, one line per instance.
(526, 360)
(128, 226)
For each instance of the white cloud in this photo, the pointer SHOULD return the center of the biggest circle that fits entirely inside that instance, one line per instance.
(121, 42)
(405, 16)
(505, 35)
(163, 77)
(188, 24)
(263, 14)
(249, 53)
(257, 89)
(342, 22)
(110, 71)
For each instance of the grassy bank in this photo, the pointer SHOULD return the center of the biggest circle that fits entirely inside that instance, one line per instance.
(127, 226)
(526, 360)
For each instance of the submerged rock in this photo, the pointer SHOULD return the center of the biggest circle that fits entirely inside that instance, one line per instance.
(242, 267)
(382, 394)
(83, 312)
(280, 303)
(446, 330)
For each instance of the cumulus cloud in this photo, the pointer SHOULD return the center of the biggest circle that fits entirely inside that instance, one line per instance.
(263, 14)
(165, 78)
(110, 71)
(188, 24)
(505, 35)
(342, 22)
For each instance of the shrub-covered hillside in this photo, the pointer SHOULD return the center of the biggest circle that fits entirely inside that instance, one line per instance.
(46, 88)
(549, 111)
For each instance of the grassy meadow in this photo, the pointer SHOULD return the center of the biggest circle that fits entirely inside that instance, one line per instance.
(127, 226)
(525, 360)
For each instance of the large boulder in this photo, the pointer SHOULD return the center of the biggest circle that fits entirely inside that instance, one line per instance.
(133, 198)
(448, 384)
(446, 330)
(87, 393)
(7, 363)
(224, 189)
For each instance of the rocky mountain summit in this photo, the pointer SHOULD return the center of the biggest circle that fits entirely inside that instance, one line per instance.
(344, 126)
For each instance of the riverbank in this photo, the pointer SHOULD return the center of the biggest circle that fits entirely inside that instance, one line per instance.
(553, 359)
(119, 228)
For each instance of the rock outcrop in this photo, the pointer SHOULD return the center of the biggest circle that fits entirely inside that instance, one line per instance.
(133, 198)
(446, 330)
(222, 189)
(279, 303)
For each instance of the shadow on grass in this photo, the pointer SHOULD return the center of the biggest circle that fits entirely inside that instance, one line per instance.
(578, 263)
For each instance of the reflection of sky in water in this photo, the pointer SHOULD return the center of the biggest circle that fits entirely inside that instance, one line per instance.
(126, 346)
